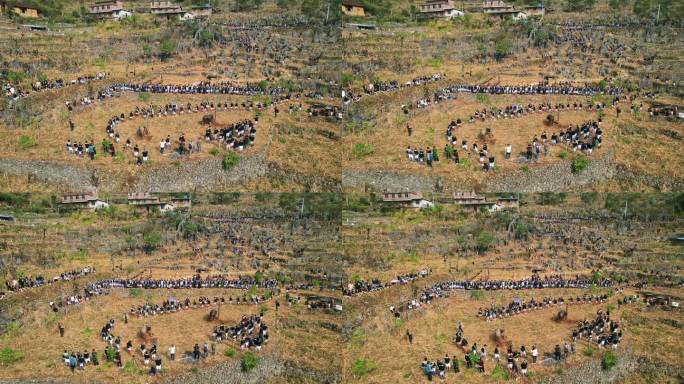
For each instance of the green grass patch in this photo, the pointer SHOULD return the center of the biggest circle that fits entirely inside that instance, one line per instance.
(129, 368)
(358, 338)
(361, 150)
(9, 356)
(248, 362)
(498, 373)
(409, 255)
(476, 294)
(608, 361)
(214, 151)
(362, 367)
(135, 292)
(229, 352)
(26, 142)
(230, 160)
(482, 98)
(563, 154)
(579, 164)
(588, 352)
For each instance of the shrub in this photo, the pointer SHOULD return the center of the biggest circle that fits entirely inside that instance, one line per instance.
(588, 352)
(166, 49)
(563, 154)
(346, 78)
(152, 239)
(358, 338)
(502, 48)
(248, 362)
(498, 373)
(362, 367)
(484, 241)
(361, 150)
(129, 368)
(15, 77)
(26, 142)
(482, 98)
(214, 151)
(608, 361)
(230, 159)
(9, 356)
(579, 164)
(229, 352)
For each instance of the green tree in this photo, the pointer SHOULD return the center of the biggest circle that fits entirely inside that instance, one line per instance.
(166, 49)
(483, 241)
(502, 48)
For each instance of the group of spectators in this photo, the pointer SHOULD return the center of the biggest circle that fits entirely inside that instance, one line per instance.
(442, 289)
(362, 286)
(27, 282)
(517, 306)
(221, 88)
(15, 93)
(171, 305)
(251, 332)
(602, 330)
(219, 281)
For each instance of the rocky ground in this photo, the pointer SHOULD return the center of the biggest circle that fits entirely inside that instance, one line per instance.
(556, 177)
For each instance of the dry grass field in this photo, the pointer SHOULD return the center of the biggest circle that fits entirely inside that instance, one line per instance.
(385, 245)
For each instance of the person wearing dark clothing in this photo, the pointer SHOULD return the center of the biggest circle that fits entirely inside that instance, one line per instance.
(409, 337)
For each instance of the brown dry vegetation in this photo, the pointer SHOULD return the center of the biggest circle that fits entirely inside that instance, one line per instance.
(381, 245)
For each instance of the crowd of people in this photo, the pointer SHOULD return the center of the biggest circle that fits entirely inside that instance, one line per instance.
(378, 86)
(443, 289)
(27, 282)
(584, 137)
(90, 291)
(221, 88)
(362, 286)
(250, 333)
(172, 305)
(475, 357)
(15, 93)
(79, 360)
(517, 306)
(196, 281)
(602, 330)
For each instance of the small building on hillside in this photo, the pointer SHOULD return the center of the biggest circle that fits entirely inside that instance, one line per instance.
(201, 10)
(181, 202)
(146, 202)
(87, 200)
(168, 9)
(443, 9)
(353, 8)
(463, 198)
(407, 199)
(108, 9)
(142, 198)
(19, 9)
(497, 6)
(508, 202)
